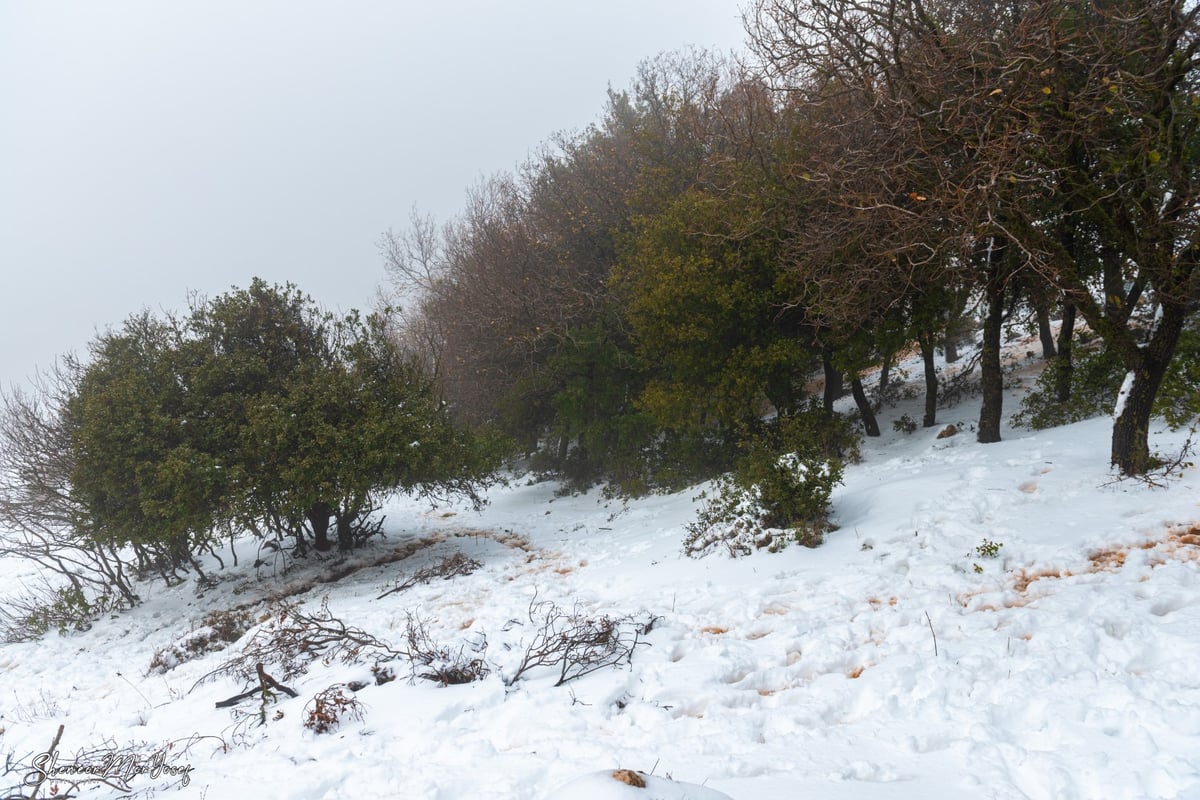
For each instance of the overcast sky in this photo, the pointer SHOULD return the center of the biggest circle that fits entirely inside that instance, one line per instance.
(149, 149)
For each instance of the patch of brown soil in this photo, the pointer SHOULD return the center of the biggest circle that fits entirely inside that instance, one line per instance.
(629, 778)
(1174, 545)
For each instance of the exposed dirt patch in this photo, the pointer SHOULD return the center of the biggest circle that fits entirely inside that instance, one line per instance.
(629, 778)
(1175, 545)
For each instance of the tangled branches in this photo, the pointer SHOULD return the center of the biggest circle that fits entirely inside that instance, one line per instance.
(577, 644)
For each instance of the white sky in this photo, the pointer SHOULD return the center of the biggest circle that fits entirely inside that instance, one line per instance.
(149, 148)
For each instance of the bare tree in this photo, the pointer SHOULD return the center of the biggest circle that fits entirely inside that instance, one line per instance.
(1005, 120)
(40, 520)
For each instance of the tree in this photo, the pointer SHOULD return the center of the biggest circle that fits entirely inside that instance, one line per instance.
(257, 411)
(43, 520)
(321, 415)
(1024, 122)
(346, 428)
(136, 464)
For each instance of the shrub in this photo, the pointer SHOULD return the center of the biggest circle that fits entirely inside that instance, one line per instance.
(64, 609)
(1179, 397)
(577, 644)
(291, 639)
(779, 492)
(325, 712)
(449, 567)
(215, 631)
(1095, 380)
(434, 662)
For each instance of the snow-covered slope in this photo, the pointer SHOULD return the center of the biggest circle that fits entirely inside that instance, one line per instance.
(999, 621)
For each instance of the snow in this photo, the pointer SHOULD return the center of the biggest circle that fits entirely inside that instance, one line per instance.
(902, 659)
(615, 785)
(1123, 395)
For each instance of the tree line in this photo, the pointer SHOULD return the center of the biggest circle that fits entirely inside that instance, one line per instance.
(640, 300)
(645, 303)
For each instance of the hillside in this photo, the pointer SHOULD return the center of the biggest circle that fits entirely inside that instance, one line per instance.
(1000, 621)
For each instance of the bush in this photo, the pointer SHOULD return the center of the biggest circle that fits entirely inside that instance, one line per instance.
(63, 609)
(290, 639)
(257, 411)
(325, 712)
(1096, 379)
(779, 492)
(1179, 397)
(215, 631)
(576, 644)
(435, 662)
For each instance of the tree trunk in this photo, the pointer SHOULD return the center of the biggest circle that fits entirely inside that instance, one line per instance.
(1041, 307)
(951, 347)
(1064, 364)
(345, 531)
(834, 383)
(870, 424)
(318, 517)
(931, 382)
(1131, 426)
(954, 326)
(885, 370)
(991, 377)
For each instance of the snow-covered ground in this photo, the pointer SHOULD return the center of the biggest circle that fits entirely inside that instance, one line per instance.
(900, 660)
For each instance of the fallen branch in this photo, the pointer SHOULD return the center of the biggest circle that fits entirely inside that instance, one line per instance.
(265, 684)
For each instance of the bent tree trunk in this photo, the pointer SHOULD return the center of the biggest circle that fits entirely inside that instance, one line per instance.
(870, 424)
(1131, 425)
(1041, 309)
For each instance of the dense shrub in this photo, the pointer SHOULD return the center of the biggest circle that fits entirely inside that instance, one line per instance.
(780, 489)
(1095, 380)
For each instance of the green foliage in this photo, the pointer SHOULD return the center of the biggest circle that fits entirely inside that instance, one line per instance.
(780, 489)
(988, 549)
(64, 609)
(135, 468)
(594, 430)
(905, 424)
(261, 411)
(704, 289)
(1096, 379)
(1179, 396)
